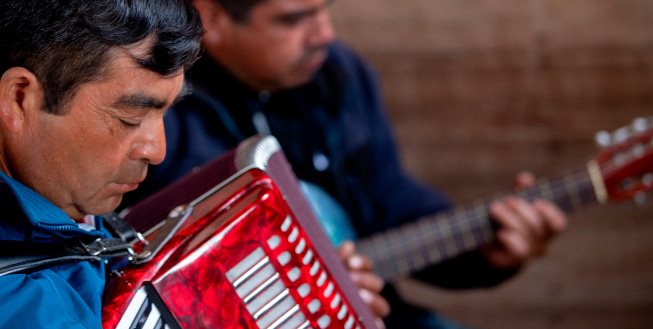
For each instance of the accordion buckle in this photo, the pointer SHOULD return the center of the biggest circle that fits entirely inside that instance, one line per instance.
(110, 247)
(165, 231)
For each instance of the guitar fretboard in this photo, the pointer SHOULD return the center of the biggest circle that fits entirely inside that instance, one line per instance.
(412, 247)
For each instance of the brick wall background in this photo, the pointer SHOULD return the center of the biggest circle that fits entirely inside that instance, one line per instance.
(479, 90)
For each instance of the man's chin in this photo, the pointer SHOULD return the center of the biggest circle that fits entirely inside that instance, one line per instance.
(297, 80)
(100, 208)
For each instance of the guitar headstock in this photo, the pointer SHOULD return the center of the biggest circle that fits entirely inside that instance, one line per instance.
(626, 161)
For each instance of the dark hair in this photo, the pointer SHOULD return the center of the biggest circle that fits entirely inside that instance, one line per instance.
(66, 43)
(239, 9)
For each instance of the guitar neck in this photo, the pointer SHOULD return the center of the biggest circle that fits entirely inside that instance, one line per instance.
(404, 250)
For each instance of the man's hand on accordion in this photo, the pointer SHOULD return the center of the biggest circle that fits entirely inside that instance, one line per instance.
(369, 284)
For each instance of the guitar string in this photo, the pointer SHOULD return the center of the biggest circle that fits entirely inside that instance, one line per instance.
(465, 221)
(412, 245)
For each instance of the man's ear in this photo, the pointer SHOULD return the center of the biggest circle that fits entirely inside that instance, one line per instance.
(20, 95)
(214, 20)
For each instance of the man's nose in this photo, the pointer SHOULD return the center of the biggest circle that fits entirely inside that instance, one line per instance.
(151, 146)
(322, 32)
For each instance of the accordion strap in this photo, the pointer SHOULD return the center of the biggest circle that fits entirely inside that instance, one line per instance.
(21, 256)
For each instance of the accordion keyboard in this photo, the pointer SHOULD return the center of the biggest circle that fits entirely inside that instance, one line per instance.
(268, 299)
(142, 313)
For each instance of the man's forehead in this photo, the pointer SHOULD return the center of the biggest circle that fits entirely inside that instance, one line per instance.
(125, 74)
(150, 98)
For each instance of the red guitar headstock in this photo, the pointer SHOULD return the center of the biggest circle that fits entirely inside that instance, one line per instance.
(624, 168)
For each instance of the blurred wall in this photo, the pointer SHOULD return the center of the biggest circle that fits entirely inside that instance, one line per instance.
(479, 90)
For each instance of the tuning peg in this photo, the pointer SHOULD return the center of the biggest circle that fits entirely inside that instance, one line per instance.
(640, 125)
(629, 183)
(621, 135)
(647, 180)
(603, 138)
(640, 198)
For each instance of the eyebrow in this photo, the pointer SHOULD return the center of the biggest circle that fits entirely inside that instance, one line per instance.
(143, 101)
(303, 12)
(139, 100)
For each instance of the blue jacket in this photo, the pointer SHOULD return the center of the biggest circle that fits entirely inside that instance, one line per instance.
(62, 296)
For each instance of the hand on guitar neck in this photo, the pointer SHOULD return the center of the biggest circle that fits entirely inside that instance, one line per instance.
(524, 229)
(510, 230)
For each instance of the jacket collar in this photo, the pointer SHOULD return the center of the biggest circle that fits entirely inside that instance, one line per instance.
(41, 213)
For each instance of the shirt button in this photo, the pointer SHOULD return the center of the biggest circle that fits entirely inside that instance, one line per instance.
(264, 96)
(320, 161)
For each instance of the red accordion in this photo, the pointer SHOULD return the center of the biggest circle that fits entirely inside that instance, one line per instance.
(244, 250)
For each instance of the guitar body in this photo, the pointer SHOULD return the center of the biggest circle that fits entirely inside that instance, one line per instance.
(238, 256)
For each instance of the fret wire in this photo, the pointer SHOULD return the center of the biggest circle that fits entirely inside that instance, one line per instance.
(402, 264)
(476, 224)
(393, 248)
(387, 265)
(534, 193)
(364, 247)
(450, 244)
(479, 219)
(585, 186)
(391, 261)
(451, 229)
(562, 199)
(442, 230)
(590, 196)
(553, 190)
(522, 193)
(433, 252)
(572, 192)
(390, 249)
(547, 191)
(550, 190)
(582, 185)
(415, 246)
(429, 225)
(454, 225)
(445, 234)
(464, 229)
(446, 239)
(487, 234)
(469, 234)
(483, 232)
(423, 244)
(438, 236)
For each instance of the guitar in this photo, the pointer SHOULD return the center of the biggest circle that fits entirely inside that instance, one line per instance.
(622, 170)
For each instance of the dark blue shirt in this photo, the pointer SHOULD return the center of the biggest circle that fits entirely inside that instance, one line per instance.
(333, 131)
